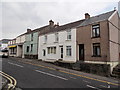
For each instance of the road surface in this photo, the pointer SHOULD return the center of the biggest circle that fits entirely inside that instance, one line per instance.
(30, 74)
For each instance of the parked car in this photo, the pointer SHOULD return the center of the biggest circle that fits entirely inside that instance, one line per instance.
(4, 53)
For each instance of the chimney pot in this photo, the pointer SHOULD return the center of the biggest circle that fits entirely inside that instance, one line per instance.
(51, 23)
(87, 15)
(28, 30)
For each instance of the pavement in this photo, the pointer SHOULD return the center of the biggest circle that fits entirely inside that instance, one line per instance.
(31, 73)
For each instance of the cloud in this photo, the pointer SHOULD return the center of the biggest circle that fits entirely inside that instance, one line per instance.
(18, 16)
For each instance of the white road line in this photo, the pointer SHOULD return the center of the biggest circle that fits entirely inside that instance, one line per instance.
(15, 64)
(73, 77)
(51, 74)
(93, 87)
(104, 86)
(86, 81)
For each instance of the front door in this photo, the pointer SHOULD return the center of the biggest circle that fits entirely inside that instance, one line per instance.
(81, 52)
(61, 52)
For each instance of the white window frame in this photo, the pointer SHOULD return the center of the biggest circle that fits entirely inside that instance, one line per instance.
(96, 28)
(68, 51)
(69, 35)
(45, 39)
(56, 37)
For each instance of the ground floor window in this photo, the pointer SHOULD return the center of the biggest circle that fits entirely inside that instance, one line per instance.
(96, 49)
(27, 50)
(68, 51)
(51, 50)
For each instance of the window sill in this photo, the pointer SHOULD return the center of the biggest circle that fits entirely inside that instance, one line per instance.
(68, 56)
(68, 40)
(96, 55)
(44, 43)
(55, 41)
(95, 37)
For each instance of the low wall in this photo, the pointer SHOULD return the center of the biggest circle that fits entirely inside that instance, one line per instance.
(31, 56)
(99, 69)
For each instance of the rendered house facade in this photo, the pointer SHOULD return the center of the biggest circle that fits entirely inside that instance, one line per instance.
(58, 44)
(98, 40)
(20, 45)
(31, 43)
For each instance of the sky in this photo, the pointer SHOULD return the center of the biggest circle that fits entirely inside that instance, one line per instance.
(18, 15)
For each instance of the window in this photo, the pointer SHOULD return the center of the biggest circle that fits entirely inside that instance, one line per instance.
(31, 47)
(54, 50)
(48, 50)
(96, 49)
(96, 30)
(68, 51)
(69, 35)
(56, 37)
(27, 49)
(32, 37)
(44, 52)
(45, 40)
(51, 50)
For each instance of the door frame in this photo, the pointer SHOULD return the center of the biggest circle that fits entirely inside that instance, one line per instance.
(82, 47)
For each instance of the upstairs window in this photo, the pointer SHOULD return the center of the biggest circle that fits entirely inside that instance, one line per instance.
(56, 37)
(32, 37)
(96, 31)
(96, 49)
(45, 39)
(69, 35)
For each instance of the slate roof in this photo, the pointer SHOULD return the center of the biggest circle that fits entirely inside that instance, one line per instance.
(62, 27)
(98, 18)
(5, 40)
(79, 23)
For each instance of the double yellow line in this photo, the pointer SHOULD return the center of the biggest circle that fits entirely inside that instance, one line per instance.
(103, 81)
(12, 81)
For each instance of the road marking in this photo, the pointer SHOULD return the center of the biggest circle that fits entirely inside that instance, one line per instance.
(73, 77)
(103, 81)
(86, 81)
(15, 64)
(51, 74)
(12, 83)
(93, 87)
(104, 86)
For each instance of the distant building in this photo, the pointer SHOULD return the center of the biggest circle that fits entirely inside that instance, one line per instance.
(4, 43)
(12, 47)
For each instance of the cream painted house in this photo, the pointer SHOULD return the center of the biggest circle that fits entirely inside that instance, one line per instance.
(20, 45)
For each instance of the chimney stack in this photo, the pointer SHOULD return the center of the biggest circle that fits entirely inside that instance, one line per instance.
(28, 30)
(51, 23)
(87, 15)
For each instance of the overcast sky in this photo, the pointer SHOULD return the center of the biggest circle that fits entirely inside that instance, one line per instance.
(18, 15)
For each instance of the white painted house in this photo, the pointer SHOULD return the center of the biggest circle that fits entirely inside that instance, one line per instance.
(58, 44)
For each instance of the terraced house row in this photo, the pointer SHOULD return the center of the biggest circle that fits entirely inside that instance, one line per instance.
(92, 42)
